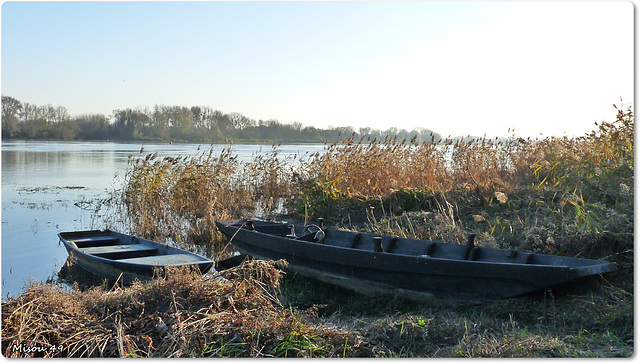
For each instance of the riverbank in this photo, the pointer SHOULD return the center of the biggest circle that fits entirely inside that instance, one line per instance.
(259, 313)
(557, 196)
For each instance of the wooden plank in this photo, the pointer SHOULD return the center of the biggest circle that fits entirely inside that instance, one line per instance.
(94, 238)
(101, 250)
(88, 243)
(164, 260)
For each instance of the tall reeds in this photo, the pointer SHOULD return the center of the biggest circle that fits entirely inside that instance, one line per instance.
(179, 198)
(556, 195)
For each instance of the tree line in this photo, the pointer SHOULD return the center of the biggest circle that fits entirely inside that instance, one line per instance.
(21, 120)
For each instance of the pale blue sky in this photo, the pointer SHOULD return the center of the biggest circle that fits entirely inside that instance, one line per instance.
(457, 68)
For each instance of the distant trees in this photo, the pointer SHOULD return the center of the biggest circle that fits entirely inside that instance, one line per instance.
(176, 123)
(35, 122)
(91, 126)
(11, 111)
(130, 124)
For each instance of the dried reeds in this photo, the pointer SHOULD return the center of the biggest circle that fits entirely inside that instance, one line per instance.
(236, 313)
(179, 198)
(539, 192)
(182, 315)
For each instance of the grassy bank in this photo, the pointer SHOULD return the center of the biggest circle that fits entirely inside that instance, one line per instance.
(565, 196)
(259, 313)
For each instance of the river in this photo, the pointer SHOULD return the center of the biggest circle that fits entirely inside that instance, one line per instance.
(47, 187)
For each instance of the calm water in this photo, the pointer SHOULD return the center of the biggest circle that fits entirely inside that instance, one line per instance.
(47, 187)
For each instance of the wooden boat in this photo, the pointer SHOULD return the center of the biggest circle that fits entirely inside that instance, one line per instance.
(421, 270)
(121, 257)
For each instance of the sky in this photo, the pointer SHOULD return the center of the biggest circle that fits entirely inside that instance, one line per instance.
(528, 68)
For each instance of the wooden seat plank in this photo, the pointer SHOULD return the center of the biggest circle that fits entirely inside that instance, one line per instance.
(100, 250)
(164, 260)
(90, 243)
(94, 238)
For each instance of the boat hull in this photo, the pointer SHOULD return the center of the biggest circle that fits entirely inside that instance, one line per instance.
(125, 258)
(417, 276)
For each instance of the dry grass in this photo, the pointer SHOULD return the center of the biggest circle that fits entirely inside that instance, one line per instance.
(571, 321)
(376, 168)
(250, 315)
(183, 315)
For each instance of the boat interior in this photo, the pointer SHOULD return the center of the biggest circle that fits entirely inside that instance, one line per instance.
(126, 249)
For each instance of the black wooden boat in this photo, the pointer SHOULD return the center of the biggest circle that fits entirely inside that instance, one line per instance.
(423, 270)
(121, 257)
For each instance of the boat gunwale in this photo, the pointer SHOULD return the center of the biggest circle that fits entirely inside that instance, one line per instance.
(559, 268)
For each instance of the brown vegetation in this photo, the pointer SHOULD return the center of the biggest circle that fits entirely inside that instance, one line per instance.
(566, 196)
(179, 316)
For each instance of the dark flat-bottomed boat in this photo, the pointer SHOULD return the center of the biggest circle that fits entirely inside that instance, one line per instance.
(418, 269)
(125, 258)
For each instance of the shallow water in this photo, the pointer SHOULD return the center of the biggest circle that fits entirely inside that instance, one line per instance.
(49, 187)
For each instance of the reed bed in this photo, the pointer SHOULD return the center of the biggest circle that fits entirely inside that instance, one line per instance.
(555, 195)
(179, 198)
(568, 196)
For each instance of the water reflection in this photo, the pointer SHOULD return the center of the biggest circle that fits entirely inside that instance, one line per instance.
(71, 275)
